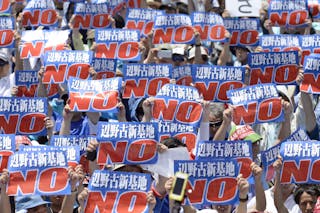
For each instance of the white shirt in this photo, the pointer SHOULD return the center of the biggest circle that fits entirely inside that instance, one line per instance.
(6, 83)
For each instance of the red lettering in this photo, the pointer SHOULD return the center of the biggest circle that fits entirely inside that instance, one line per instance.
(144, 27)
(49, 17)
(58, 176)
(126, 202)
(294, 18)
(52, 74)
(298, 17)
(247, 115)
(183, 34)
(225, 87)
(106, 74)
(132, 88)
(24, 91)
(163, 110)
(222, 189)
(82, 20)
(291, 170)
(31, 123)
(162, 36)
(78, 70)
(20, 182)
(310, 83)
(279, 19)
(107, 152)
(100, 20)
(198, 190)
(156, 84)
(142, 150)
(245, 168)
(128, 50)
(101, 203)
(189, 112)
(249, 37)
(80, 102)
(105, 101)
(261, 76)
(208, 92)
(315, 175)
(9, 126)
(37, 17)
(105, 51)
(286, 74)
(5, 5)
(269, 109)
(186, 80)
(6, 37)
(31, 50)
(217, 33)
(234, 38)
(203, 31)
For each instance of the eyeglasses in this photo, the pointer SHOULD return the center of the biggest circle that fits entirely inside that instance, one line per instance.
(215, 124)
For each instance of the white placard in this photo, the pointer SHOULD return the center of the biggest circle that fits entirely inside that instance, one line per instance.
(241, 8)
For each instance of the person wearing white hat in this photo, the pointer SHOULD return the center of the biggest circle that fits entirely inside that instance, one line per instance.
(6, 79)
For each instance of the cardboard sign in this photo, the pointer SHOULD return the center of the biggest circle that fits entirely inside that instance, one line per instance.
(213, 181)
(244, 32)
(6, 32)
(120, 44)
(143, 80)
(117, 192)
(127, 142)
(300, 162)
(72, 152)
(185, 133)
(141, 19)
(5, 7)
(23, 116)
(244, 8)
(209, 25)
(277, 43)
(40, 13)
(94, 95)
(213, 82)
(182, 74)
(174, 29)
(34, 43)
(91, 15)
(105, 68)
(179, 104)
(309, 44)
(256, 104)
(274, 67)
(311, 75)
(288, 13)
(60, 65)
(7, 148)
(27, 82)
(38, 173)
(239, 150)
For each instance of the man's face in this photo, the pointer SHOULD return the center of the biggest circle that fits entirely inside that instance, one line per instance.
(38, 209)
(4, 70)
(241, 54)
(307, 203)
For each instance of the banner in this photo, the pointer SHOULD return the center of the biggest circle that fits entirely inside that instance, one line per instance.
(38, 173)
(40, 13)
(127, 142)
(6, 31)
(311, 75)
(239, 150)
(185, 133)
(178, 104)
(144, 80)
(72, 152)
(213, 181)
(27, 82)
(213, 82)
(209, 25)
(277, 43)
(269, 156)
(5, 7)
(173, 29)
(23, 116)
(309, 44)
(91, 16)
(60, 65)
(300, 162)
(243, 32)
(117, 192)
(246, 8)
(7, 148)
(182, 74)
(274, 67)
(34, 43)
(141, 19)
(105, 68)
(256, 104)
(288, 13)
(120, 44)
(75, 140)
(94, 95)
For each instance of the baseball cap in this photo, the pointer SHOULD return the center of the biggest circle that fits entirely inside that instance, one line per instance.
(244, 132)
(192, 52)
(4, 58)
(28, 202)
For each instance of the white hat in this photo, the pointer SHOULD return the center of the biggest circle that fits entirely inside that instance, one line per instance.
(192, 52)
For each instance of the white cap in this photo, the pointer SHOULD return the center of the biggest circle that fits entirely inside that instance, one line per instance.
(192, 52)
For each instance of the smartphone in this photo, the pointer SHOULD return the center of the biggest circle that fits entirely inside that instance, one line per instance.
(179, 186)
(164, 54)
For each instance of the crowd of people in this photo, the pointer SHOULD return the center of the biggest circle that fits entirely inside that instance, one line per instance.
(300, 110)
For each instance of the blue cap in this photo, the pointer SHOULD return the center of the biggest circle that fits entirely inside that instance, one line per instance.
(28, 202)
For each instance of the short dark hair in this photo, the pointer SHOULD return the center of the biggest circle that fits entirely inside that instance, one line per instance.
(310, 189)
(173, 143)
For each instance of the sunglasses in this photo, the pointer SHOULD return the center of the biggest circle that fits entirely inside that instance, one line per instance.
(215, 124)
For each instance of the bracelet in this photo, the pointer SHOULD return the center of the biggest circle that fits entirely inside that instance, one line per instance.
(198, 45)
(244, 199)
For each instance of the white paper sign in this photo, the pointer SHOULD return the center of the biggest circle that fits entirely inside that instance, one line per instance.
(241, 8)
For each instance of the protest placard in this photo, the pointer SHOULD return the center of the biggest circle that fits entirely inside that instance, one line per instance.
(127, 142)
(243, 32)
(311, 75)
(213, 181)
(60, 65)
(23, 115)
(274, 67)
(118, 44)
(38, 173)
(7, 148)
(174, 29)
(5, 7)
(256, 104)
(144, 80)
(213, 82)
(6, 31)
(94, 95)
(209, 25)
(309, 44)
(277, 43)
(239, 150)
(244, 8)
(117, 192)
(105, 68)
(179, 104)
(182, 74)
